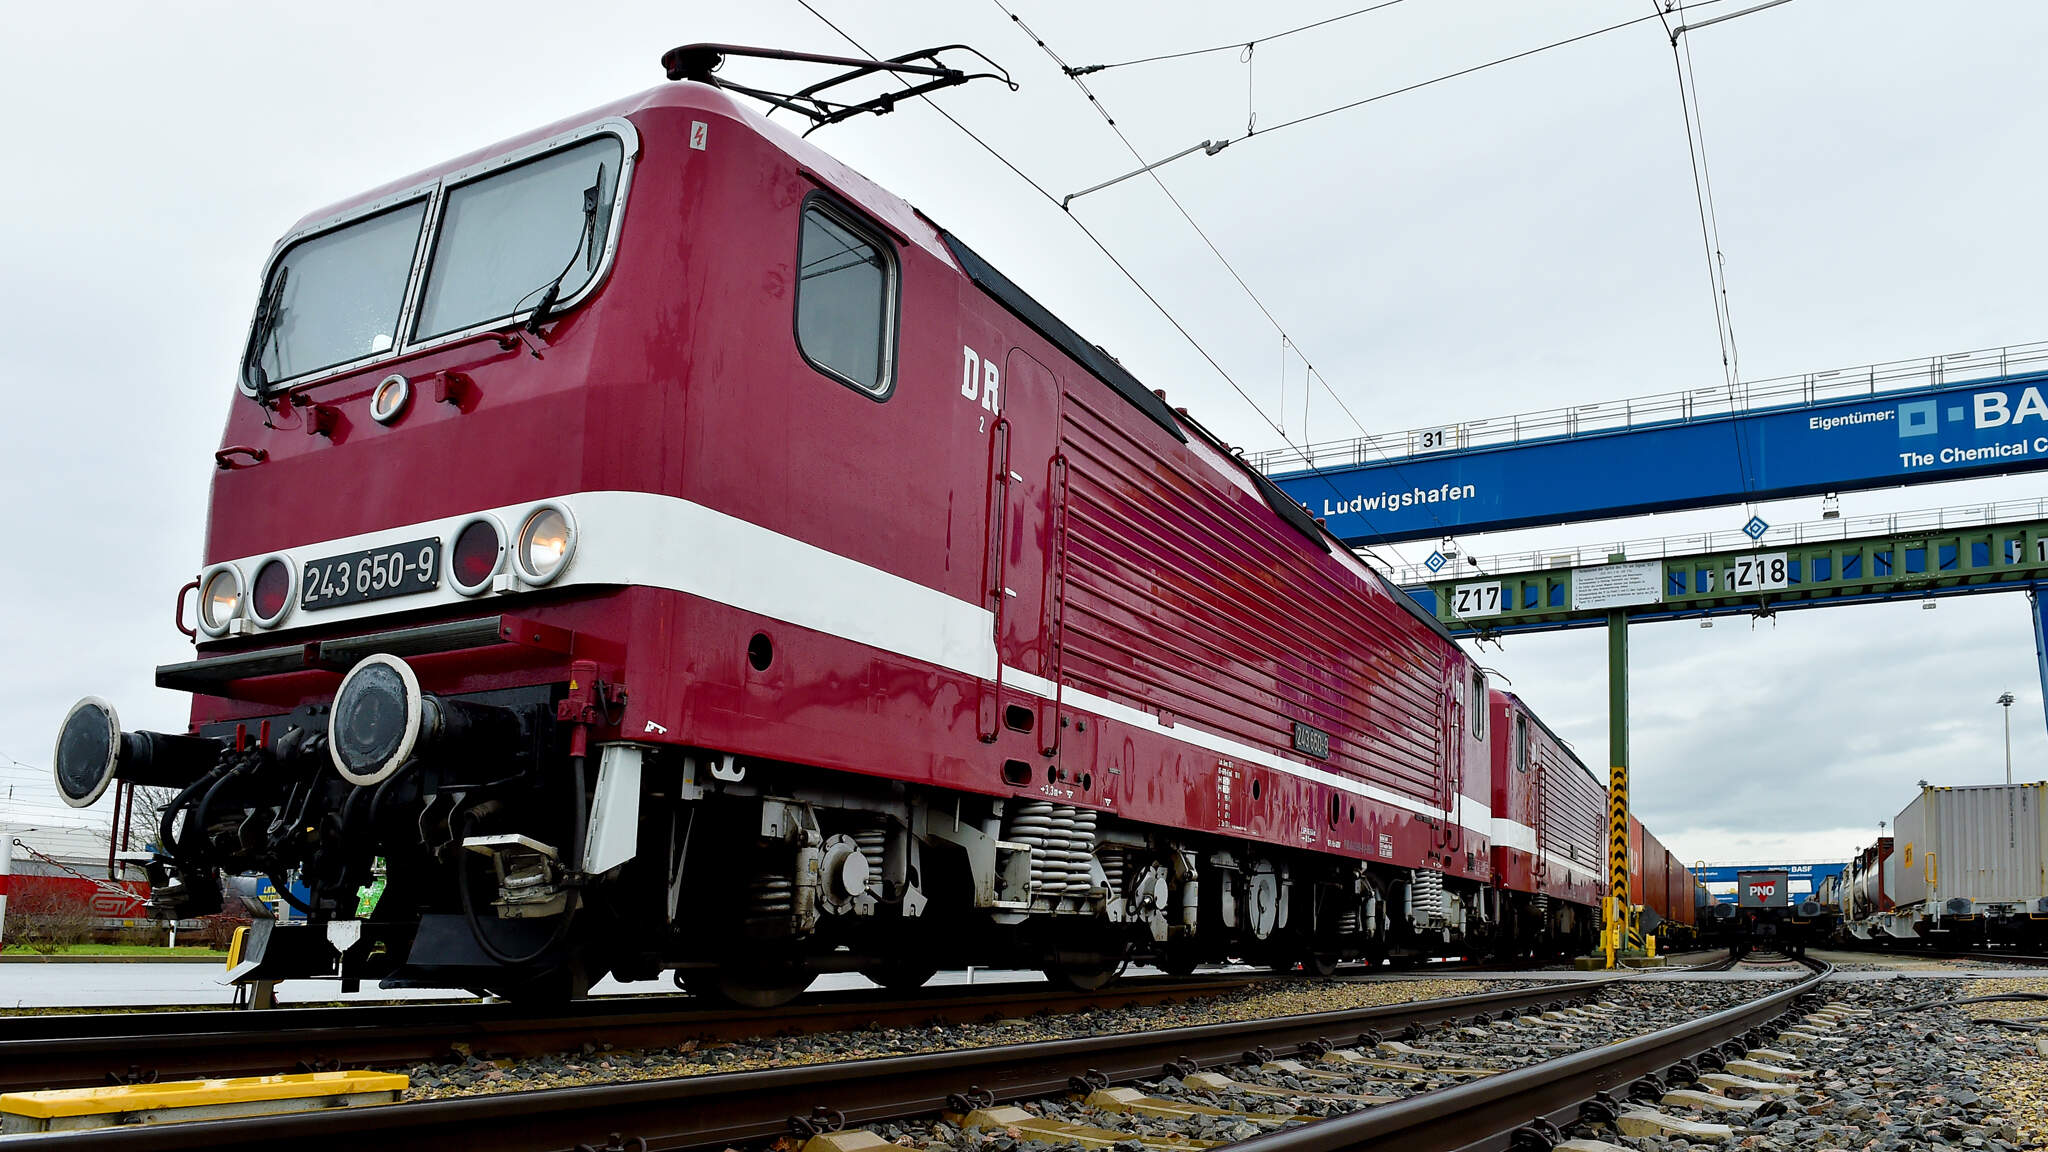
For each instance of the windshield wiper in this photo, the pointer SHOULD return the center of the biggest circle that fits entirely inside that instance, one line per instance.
(586, 239)
(268, 316)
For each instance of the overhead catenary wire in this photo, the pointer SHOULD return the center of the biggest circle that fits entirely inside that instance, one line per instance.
(1710, 231)
(1434, 80)
(1242, 45)
(1156, 303)
(1310, 374)
(1688, 97)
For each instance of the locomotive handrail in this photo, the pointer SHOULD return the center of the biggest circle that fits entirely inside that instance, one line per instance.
(225, 458)
(178, 610)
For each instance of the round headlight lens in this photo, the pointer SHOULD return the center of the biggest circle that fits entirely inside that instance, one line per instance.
(271, 592)
(545, 541)
(220, 599)
(473, 558)
(388, 401)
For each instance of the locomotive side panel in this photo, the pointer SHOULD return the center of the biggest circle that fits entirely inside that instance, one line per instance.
(1185, 598)
(1550, 812)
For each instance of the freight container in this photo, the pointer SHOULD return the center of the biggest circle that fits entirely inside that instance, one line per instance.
(1971, 852)
(1871, 880)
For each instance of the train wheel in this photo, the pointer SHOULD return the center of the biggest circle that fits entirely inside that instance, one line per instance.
(1083, 972)
(761, 985)
(1314, 963)
(900, 975)
(556, 987)
(1178, 962)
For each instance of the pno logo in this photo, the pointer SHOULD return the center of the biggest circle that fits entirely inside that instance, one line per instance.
(1764, 891)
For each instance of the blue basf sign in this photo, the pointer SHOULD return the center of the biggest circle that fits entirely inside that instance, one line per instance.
(1944, 433)
(1803, 879)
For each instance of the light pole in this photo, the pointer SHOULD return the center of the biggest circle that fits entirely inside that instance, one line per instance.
(2005, 698)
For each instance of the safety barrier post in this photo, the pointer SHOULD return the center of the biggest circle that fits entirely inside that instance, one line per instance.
(1617, 784)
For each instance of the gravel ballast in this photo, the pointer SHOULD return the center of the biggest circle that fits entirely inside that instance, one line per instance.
(1900, 1078)
(598, 1064)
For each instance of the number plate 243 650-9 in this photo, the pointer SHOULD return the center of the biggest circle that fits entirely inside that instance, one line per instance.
(373, 574)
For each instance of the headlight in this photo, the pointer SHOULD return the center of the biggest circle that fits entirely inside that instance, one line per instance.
(475, 554)
(388, 400)
(220, 599)
(545, 542)
(270, 593)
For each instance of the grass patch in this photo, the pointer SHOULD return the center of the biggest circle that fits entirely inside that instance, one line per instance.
(114, 950)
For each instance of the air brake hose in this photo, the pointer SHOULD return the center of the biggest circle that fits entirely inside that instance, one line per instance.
(167, 844)
(561, 932)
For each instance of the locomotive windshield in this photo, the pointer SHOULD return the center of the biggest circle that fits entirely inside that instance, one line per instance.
(337, 296)
(505, 238)
(515, 238)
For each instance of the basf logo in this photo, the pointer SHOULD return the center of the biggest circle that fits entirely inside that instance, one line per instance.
(1978, 413)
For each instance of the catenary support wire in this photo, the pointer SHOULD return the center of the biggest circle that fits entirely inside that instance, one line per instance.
(1102, 247)
(1710, 237)
(1310, 374)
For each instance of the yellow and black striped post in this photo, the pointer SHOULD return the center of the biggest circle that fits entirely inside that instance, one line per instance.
(1616, 933)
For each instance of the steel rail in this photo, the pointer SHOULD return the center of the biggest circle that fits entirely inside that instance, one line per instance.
(716, 1110)
(1990, 955)
(1484, 1115)
(82, 1049)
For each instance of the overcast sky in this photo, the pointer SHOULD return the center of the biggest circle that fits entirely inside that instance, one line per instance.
(1519, 239)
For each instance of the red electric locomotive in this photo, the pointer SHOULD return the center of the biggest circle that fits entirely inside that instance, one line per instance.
(646, 544)
(1549, 833)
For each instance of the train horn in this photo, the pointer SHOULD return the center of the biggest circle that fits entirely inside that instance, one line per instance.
(93, 752)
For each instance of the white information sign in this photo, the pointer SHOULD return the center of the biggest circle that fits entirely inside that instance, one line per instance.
(1618, 585)
(1762, 573)
(1432, 439)
(1470, 600)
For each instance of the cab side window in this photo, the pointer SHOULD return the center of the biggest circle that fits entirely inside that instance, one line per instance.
(846, 298)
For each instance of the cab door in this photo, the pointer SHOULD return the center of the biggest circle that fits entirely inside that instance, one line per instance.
(1027, 489)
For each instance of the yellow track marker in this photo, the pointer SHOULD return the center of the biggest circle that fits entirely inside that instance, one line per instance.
(75, 1109)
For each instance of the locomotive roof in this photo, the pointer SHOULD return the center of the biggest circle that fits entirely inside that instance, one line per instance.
(678, 96)
(921, 230)
(1561, 742)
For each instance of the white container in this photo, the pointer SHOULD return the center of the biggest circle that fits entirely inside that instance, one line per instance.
(1972, 850)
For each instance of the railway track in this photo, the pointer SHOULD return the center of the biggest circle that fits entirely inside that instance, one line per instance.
(92, 1048)
(83, 1049)
(1982, 955)
(1342, 1053)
